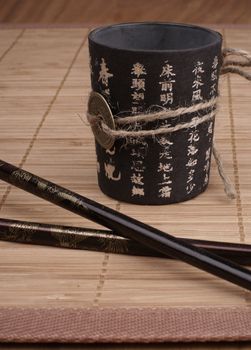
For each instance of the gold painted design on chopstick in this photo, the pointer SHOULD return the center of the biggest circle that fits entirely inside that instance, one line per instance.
(41, 185)
(21, 175)
(67, 238)
(56, 193)
(47, 187)
(77, 202)
(113, 244)
(21, 232)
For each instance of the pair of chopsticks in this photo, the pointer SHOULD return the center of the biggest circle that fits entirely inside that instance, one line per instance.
(146, 236)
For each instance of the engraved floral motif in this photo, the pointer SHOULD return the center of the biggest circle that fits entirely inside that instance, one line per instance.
(21, 175)
(113, 244)
(68, 238)
(21, 232)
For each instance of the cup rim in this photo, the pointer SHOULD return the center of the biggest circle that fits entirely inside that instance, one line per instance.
(217, 35)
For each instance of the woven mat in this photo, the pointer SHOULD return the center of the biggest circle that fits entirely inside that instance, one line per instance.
(50, 294)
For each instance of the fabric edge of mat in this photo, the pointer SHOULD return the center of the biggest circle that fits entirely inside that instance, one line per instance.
(124, 325)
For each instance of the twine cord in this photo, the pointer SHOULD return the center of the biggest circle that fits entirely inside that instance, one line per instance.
(166, 113)
(156, 116)
(161, 130)
(234, 66)
(126, 126)
(228, 186)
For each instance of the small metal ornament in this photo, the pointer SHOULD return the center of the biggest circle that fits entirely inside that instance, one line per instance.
(97, 106)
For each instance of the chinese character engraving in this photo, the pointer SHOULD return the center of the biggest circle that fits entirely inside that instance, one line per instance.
(214, 74)
(166, 84)
(138, 191)
(165, 191)
(104, 74)
(138, 152)
(138, 84)
(109, 172)
(138, 69)
(167, 70)
(137, 179)
(165, 167)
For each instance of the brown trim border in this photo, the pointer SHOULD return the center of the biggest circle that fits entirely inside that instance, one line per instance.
(95, 24)
(127, 325)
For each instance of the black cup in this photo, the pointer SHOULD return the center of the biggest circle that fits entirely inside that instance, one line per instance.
(142, 67)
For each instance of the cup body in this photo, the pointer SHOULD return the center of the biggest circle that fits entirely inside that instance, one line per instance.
(142, 67)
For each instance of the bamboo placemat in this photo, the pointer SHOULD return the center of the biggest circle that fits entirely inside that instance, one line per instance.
(44, 90)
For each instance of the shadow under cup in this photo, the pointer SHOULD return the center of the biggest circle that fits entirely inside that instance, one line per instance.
(147, 67)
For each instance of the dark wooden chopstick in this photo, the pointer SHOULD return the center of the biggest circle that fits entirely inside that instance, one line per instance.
(105, 240)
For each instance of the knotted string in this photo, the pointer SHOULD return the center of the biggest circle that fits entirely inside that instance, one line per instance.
(234, 65)
(120, 133)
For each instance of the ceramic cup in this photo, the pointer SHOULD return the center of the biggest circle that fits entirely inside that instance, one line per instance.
(142, 67)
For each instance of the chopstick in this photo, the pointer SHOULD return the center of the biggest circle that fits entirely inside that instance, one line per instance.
(105, 241)
(126, 226)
